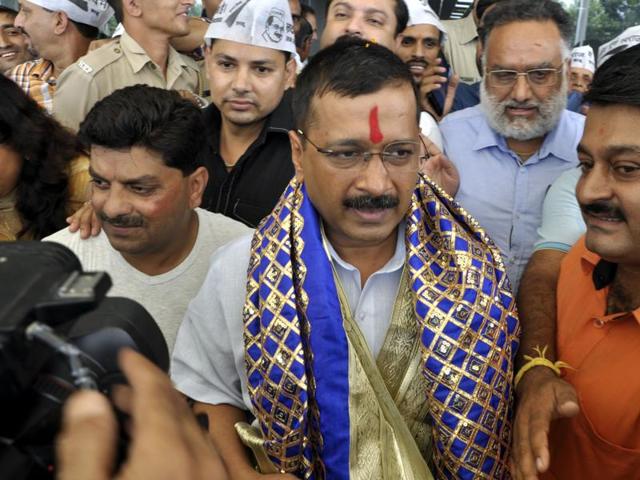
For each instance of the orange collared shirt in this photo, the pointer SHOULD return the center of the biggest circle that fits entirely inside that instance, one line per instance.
(36, 78)
(603, 440)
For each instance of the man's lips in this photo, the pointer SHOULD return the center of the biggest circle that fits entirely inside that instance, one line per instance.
(417, 68)
(603, 217)
(240, 104)
(524, 111)
(375, 215)
(9, 54)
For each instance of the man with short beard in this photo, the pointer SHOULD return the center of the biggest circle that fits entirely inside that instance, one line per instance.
(512, 146)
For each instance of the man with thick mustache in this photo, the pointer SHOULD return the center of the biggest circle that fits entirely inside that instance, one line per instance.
(148, 177)
(367, 326)
(585, 424)
(512, 146)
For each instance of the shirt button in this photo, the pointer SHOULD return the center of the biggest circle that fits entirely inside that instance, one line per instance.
(598, 322)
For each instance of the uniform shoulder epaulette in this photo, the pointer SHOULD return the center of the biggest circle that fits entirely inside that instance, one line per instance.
(190, 62)
(95, 61)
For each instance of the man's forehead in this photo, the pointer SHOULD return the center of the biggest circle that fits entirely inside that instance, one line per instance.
(422, 31)
(527, 38)
(240, 51)
(127, 164)
(334, 112)
(386, 6)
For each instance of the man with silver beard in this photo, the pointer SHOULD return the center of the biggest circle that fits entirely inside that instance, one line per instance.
(511, 147)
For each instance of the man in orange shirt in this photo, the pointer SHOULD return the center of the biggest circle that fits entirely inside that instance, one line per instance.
(593, 423)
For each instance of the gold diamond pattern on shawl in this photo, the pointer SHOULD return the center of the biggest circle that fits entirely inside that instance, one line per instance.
(288, 386)
(443, 348)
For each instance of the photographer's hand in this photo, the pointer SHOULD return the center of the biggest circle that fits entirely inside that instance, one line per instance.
(166, 441)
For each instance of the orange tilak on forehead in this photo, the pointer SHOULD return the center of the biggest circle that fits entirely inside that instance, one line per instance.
(375, 135)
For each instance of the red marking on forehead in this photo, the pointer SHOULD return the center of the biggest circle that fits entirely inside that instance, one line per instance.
(375, 135)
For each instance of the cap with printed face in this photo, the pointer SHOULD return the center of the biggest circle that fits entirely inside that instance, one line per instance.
(583, 57)
(10, 5)
(628, 38)
(261, 23)
(421, 13)
(94, 13)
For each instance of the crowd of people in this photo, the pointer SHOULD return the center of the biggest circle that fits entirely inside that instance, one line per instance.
(410, 254)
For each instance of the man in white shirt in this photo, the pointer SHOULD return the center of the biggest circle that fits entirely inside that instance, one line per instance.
(148, 179)
(358, 299)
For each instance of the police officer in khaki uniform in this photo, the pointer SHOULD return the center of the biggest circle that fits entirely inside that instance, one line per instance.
(143, 54)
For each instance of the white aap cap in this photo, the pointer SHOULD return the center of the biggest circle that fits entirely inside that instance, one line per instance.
(261, 23)
(421, 13)
(628, 38)
(583, 57)
(90, 12)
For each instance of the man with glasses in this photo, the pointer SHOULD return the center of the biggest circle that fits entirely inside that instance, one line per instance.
(512, 146)
(375, 333)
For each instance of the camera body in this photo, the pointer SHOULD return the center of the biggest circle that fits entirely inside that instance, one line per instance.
(54, 316)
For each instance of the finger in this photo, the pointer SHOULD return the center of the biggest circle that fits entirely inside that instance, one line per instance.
(96, 224)
(154, 401)
(566, 401)
(523, 455)
(86, 446)
(451, 94)
(122, 397)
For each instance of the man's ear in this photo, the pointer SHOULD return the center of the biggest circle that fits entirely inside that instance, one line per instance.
(297, 151)
(197, 185)
(132, 7)
(61, 23)
(291, 73)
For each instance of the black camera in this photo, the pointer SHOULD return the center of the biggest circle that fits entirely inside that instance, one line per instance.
(58, 333)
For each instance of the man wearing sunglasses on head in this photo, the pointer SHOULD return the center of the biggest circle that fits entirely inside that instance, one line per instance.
(512, 146)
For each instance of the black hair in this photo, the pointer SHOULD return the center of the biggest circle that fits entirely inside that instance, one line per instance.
(510, 11)
(350, 67)
(483, 5)
(8, 10)
(617, 81)
(157, 119)
(401, 12)
(87, 31)
(117, 9)
(46, 150)
(307, 10)
(304, 32)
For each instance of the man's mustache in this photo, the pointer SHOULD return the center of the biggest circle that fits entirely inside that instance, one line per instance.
(368, 202)
(125, 221)
(602, 209)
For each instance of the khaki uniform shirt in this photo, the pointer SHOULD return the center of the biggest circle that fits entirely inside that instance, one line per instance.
(460, 48)
(114, 66)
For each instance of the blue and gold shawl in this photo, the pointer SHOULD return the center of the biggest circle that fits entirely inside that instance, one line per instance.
(296, 349)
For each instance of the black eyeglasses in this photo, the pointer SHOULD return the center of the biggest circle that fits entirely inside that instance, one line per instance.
(397, 157)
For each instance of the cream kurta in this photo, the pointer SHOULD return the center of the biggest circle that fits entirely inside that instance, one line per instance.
(113, 66)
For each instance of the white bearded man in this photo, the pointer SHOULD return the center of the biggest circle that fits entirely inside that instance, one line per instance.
(511, 147)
